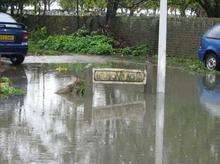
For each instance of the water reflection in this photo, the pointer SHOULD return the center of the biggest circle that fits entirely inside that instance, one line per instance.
(209, 93)
(159, 128)
(19, 80)
(52, 129)
(110, 124)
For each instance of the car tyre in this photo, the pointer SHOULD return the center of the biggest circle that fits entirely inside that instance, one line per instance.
(17, 60)
(211, 62)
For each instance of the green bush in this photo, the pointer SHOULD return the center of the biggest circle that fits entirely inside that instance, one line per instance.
(39, 34)
(81, 42)
(82, 32)
(97, 44)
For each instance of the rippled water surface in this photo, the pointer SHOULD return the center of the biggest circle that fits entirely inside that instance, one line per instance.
(111, 124)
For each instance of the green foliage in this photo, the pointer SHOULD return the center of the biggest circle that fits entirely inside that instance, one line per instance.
(4, 80)
(81, 42)
(86, 5)
(6, 89)
(82, 32)
(62, 69)
(190, 65)
(138, 50)
(98, 44)
(39, 34)
(187, 64)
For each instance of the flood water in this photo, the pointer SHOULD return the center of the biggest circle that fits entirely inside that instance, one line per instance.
(111, 124)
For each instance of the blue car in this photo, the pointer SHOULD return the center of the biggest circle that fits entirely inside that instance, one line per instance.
(13, 39)
(209, 51)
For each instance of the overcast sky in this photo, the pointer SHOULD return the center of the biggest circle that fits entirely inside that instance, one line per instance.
(55, 5)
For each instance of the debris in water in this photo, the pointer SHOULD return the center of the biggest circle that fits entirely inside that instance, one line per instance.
(75, 88)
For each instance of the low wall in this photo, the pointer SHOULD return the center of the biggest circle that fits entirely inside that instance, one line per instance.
(183, 33)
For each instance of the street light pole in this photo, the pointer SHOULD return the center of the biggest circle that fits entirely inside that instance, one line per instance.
(161, 68)
(161, 81)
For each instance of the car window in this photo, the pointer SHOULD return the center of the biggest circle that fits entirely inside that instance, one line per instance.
(6, 21)
(214, 32)
(6, 18)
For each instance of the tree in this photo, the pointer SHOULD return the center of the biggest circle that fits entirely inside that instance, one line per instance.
(113, 5)
(14, 5)
(212, 7)
(133, 5)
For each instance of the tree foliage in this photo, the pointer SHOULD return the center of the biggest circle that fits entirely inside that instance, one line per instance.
(210, 8)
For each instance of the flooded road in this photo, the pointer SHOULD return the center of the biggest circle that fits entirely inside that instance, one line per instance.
(112, 124)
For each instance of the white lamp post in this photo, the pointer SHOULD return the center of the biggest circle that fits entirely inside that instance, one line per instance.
(161, 68)
(161, 79)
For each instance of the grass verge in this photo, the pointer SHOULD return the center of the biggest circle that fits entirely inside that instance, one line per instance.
(191, 65)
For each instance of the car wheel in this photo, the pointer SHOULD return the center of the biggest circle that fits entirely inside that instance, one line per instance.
(211, 62)
(16, 60)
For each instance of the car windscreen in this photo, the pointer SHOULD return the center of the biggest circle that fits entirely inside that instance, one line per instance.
(214, 32)
(6, 21)
(6, 18)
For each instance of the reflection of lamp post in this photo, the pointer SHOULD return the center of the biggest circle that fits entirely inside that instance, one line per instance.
(159, 129)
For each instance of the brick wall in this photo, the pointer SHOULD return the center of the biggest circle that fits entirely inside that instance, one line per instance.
(60, 24)
(183, 37)
(183, 33)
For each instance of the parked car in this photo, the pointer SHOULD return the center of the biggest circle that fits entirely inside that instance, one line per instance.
(209, 51)
(13, 39)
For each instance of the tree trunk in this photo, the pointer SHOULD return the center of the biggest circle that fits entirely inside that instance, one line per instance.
(35, 8)
(45, 7)
(183, 11)
(77, 13)
(48, 6)
(131, 13)
(39, 8)
(217, 9)
(112, 7)
(154, 11)
(12, 9)
(21, 8)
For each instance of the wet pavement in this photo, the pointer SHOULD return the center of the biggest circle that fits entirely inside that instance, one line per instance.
(69, 59)
(112, 124)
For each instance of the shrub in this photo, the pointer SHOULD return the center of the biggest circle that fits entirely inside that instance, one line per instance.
(97, 44)
(126, 51)
(39, 34)
(82, 32)
(82, 42)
